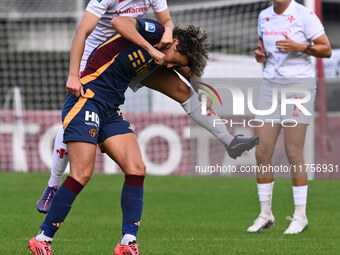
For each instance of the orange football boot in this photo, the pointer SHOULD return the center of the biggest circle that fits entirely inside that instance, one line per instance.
(131, 249)
(40, 247)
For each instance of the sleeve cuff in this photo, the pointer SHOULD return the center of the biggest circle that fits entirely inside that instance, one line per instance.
(94, 12)
(317, 35)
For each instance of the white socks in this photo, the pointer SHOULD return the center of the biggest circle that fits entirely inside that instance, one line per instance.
(193, 108)
(265, 192)
(41, 237)
(127, 238)
(60, 160)
(300, 201)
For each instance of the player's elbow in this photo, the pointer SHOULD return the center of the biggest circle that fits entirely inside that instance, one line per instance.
(328, 53)
(326, 50)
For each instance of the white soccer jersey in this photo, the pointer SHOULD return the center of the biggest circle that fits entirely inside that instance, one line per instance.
(106, 10)
(302, 26)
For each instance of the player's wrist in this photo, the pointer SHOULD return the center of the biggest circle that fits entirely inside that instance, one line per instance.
(168, 29)
(148, 47)
(73, 75)
(309, 50)
(302, 47)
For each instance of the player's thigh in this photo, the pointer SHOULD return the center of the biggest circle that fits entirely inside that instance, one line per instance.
(124, 150)
(81, 118)
(168, 83)
(82, 157)
(268, 134)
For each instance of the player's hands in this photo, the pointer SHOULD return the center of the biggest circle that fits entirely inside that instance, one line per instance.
(259, 53)
(157, 56)
(289, 45)
(209, 100)
(166, 40)
(74, 86)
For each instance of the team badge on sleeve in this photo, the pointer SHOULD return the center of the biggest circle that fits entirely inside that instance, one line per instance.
(150, 27)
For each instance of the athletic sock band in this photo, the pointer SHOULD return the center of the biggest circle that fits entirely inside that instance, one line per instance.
(72, 185)
(134, 180)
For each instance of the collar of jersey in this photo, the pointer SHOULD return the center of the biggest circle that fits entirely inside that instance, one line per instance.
(288, 11)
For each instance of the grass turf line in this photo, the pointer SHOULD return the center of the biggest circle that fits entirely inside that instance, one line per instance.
(182, 215)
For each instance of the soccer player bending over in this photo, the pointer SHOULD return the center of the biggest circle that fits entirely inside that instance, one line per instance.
(94, 119)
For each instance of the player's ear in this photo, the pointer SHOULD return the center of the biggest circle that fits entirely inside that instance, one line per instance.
(175, 41)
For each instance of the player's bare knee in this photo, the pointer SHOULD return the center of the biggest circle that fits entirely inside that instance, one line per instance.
(82, 177)
(294, 156)
(262, 156)
(138, 169)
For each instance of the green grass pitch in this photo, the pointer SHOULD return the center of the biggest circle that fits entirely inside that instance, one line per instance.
(182, 215)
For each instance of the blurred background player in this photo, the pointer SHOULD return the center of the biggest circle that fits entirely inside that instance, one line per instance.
(106, 77)
(93, 29)
(289, 35)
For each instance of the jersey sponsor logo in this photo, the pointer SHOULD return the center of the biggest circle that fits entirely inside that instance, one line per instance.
(291, 19)
(93, 132)
(98, 1)
(91, 118)
(62, 153)
(285, 31)
(143, 9)
(150, 27)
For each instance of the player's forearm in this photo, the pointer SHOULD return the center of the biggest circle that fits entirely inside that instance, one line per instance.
(169, 26)
(165, 19)
(126, 27)
(320, 50)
